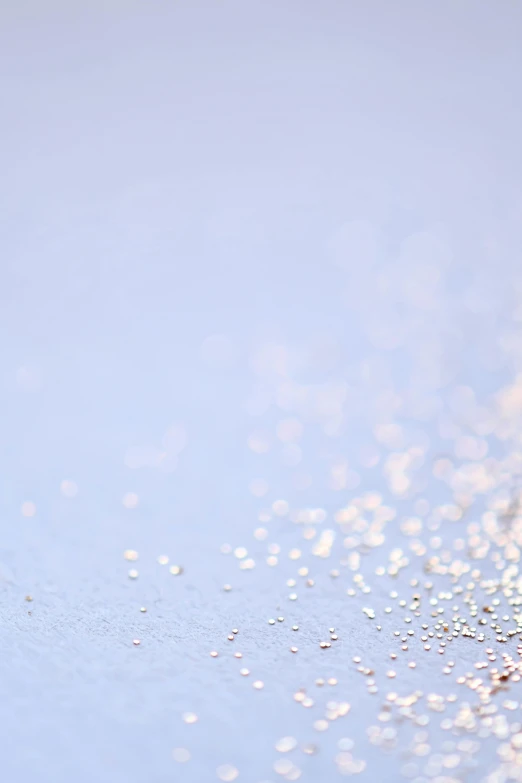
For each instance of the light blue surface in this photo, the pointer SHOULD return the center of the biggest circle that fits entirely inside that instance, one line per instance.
(341, 180)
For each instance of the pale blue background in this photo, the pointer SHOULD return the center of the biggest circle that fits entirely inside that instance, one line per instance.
(174, 170)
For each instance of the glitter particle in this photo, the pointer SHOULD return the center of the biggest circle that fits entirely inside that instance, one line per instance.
(227, 772)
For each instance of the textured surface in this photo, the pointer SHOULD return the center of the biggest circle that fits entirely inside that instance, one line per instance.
(260, 287)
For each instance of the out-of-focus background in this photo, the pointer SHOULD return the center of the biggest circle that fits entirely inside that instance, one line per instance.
(248, 250)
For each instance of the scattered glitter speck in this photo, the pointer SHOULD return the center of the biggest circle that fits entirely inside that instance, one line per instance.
(286, 744)
(227, 772)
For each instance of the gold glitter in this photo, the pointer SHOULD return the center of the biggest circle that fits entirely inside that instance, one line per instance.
(323, 547)
(468, 545)
(29, 598)
(286, 744)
